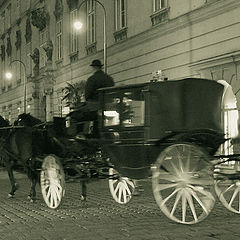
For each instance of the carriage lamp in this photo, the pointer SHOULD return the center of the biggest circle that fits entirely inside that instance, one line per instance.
(78, 25)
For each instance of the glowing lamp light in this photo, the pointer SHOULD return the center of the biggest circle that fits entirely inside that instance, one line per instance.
(78, 25)
(8, 75)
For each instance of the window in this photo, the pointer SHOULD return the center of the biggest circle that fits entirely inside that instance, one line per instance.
(120, 14)
(90, 21)
(18, 9)
(59, 39)
(2, 26)
(28, 59)
(8, 16)
(159, 4)
(132, 108)
(112, 109)
(43, 43)
(73, 34)
(126, 108)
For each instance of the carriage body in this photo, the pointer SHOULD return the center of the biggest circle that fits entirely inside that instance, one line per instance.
(140, 120)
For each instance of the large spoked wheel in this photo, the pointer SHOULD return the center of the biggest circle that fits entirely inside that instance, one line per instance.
(121, 188)
(227, 188)
(52, 181)
(182, 183)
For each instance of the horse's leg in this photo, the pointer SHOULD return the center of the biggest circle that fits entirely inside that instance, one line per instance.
(12, 180)
(32, 195)
(31, 173)
(84, 191)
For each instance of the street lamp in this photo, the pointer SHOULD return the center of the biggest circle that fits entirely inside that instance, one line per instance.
(9, 76)
(78, 25)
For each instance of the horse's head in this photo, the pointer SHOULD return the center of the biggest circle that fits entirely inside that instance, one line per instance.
(3, 122)
(25, 119)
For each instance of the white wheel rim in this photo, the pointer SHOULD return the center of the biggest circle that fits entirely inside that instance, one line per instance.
(121, 189)
(183, 189)
(52, 181)
(228, 192)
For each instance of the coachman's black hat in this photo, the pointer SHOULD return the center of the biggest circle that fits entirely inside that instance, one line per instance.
(97, 63)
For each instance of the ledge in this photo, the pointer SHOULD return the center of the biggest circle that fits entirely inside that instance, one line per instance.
(91, 48)
(120, 35)
(216, 60)
(159, 16)
(73, 57)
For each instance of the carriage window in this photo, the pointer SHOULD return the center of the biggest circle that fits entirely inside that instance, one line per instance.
(133, 108)
(111, 110)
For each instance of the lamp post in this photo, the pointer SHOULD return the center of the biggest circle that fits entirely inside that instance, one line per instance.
(9, 76)
(78, 25)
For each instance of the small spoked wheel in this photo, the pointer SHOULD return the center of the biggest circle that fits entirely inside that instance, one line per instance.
(227, 188)
(52, 181)
(182, 183)
(121, 188)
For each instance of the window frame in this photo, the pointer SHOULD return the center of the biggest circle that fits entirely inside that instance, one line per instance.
(91, 22)
(73, 32)
(43, 37)
(59, 40)
(159, 4)
(119, 13)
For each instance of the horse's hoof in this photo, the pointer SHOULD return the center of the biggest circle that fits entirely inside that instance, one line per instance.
(32, 200)
(29, 197)
(16, 186)
(83, 199)
(10, 195)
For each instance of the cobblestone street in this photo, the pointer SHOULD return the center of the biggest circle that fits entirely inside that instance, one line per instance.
(101, 218)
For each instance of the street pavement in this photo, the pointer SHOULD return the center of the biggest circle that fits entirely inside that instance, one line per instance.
(101, 218)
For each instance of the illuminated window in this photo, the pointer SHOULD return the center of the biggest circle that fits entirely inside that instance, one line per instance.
(73, 33)
(125, 108)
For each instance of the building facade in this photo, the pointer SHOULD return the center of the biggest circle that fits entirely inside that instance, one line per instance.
(187, 38)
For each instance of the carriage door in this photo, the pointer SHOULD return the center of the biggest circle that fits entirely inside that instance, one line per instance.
(229, 118)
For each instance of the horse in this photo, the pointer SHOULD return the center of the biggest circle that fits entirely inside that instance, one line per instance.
(52, 138)
(16, 148)
(22, 144)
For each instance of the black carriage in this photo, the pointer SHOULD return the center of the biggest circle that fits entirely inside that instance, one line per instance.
(168, 131)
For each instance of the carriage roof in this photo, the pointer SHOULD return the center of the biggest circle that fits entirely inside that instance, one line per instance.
(177, 105)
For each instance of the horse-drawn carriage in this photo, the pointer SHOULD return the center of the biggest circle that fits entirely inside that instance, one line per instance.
(169, 131)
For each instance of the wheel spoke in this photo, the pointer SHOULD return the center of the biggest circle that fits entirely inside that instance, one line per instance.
(51, 200)
(191, 205)
(182, 182)
(176, 202)
(124, 195)
(161, 187)
(168, 177)
(52, 181)
(117, 188)
(120, 193)
(236, 191)
(202, 191)
(172, 194)
(187, 168)
(201, 181)
(180, 159)
(127, 188)
(130, 182)
(199, 201)
(184, 206)
(228, 188)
